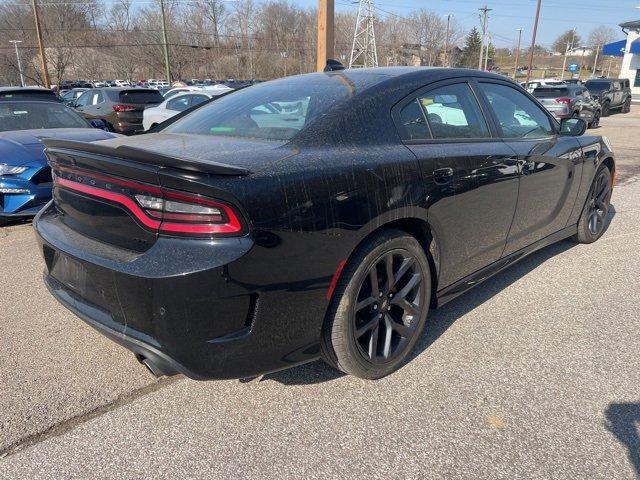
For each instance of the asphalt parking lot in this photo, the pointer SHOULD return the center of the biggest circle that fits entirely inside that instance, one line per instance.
(535, 374)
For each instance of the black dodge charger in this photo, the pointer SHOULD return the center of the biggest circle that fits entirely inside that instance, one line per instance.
(320, 215)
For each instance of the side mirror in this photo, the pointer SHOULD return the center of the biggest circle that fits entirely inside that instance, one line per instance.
(573, 127)
(98, 123)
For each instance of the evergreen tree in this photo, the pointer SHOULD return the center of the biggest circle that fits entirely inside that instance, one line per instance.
(471, 49)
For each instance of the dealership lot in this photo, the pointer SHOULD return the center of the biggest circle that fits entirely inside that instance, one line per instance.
(533, 374)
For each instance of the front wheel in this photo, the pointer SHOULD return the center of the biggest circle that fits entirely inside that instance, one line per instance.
(595, 123)
(626, 107)
(380, 306)
(593, 220)
(606, 109)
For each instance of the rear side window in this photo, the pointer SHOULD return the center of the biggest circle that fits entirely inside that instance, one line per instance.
(517, 115)
(143, 97)
(412, 121)
(179, 104)
(453, 113)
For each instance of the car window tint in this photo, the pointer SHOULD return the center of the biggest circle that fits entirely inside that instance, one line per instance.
(84, 99)
(178, 104)
(518, 116)
(414, 125)
(453, 112)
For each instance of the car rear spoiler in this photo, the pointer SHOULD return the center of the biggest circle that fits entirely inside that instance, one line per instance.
(141, 155)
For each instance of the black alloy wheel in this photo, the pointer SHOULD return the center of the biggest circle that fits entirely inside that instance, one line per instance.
(593, 221)
(595, 123)
(606, 109)
(388, 307)
(379, 307)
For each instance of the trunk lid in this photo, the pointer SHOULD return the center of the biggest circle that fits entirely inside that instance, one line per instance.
(127, 196)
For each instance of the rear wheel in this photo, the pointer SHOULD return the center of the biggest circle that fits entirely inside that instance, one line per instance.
(593, 220)
(380, 306)
(606, 109)
(595, 123)
(626, 107)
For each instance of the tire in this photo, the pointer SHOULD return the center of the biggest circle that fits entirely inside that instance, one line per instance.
(606, 109)
(626, 107)
(595, 123)
(356, 338)
(575, 115)
(593, 219)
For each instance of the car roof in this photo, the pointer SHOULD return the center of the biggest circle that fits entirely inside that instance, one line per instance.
(18, 89)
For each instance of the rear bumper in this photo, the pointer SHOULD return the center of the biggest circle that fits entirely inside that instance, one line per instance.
(189, 306)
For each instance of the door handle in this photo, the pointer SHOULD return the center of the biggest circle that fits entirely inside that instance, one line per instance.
(443, 176)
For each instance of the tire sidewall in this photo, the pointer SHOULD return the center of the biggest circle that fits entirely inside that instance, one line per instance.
(584, 234)
(348, 355)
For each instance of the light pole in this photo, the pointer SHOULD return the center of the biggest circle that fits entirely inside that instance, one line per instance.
(515, 68)
(15, 44)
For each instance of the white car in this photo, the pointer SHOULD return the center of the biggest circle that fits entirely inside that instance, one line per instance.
(122, 83)
(217, 89)
(172, 106)
(543, 82)
(177, 90)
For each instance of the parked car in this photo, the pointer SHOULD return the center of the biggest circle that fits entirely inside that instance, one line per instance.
(566, 101)
(28, 93)
(25, 176)
(120, 108)
(613, 94)
(176, 90)
(548, 82)
(71, 96)
(172, 106)
(122, 83)
(232, 244)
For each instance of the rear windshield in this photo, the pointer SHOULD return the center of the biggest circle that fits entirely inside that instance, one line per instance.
(29, 116)
(551, 92)
(598, 86)
(29, 94)
(143, 97)
(275, 110)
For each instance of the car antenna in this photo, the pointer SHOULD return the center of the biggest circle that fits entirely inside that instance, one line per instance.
(333, 65)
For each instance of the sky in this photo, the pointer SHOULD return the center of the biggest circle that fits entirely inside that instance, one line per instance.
(507, 16)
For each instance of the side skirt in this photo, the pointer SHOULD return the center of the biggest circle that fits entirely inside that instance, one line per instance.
(453, 291)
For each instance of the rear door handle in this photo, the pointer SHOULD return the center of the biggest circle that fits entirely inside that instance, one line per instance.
(443, 176)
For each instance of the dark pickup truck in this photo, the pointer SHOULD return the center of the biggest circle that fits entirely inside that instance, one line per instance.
(613, 94)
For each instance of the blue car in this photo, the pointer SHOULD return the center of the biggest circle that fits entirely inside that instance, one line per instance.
(25, 176)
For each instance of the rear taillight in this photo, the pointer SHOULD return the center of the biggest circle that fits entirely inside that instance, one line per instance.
(123, 108)
(564, 101)
(158, 209)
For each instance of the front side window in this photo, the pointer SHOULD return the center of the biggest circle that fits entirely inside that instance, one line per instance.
(517, 115)
(453, 113)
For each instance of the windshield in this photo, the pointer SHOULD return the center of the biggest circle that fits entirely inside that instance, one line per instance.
(551, 92)
(598, 87)
(273, 110)
(28, 116)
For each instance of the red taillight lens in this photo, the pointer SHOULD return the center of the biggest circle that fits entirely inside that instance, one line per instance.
(123, 108)
(564, 101)
(156, 208)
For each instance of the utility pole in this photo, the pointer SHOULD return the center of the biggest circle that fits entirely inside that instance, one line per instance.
(595, 62)
(325, 33)
(609, 71)
(15, 44)
(43, 57)
(484, 18)
(566, 52)
(533, 42)
(446, 42)
(165, 43)
(486, 55)
(515, 68)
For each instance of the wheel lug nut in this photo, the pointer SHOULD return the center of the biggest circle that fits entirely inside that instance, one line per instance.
(391, 295)
(380, 316)
(375, 307)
